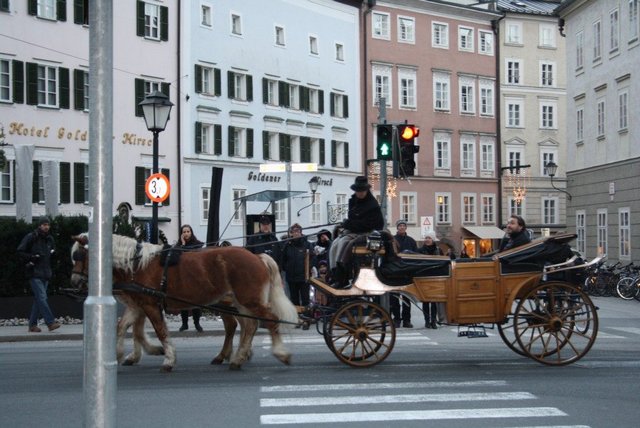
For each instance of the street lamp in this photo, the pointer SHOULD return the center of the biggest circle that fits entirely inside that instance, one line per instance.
(313, 186)
(552, 168)
(156, 108)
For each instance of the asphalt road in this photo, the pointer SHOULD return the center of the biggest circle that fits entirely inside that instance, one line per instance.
(432, 378)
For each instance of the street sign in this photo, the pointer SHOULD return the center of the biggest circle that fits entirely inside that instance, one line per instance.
(426, 225)
(157, 187)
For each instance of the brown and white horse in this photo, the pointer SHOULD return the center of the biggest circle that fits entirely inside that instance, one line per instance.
(202, 277)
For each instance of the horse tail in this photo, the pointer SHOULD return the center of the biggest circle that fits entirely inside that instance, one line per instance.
(281, 306)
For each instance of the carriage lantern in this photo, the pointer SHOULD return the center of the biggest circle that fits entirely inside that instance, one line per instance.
(374, 241)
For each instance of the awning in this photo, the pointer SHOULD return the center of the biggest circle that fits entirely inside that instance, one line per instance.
(269, 195)
(485, 232)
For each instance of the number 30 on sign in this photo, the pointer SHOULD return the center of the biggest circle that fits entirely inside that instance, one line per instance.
(157, 187)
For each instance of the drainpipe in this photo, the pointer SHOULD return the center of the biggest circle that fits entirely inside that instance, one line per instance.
(365, 131)
(495, 25)
(179, 126)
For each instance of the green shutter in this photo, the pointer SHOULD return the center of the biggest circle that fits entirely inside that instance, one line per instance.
(334, 153)
(281, 146)
(139, 96)
(321, 102)
(231, 142)
(287, 148)
(198, 141)
(265, 90)
(165, 89)
(265, 145)
(78, 183)
(249, 80)
(346, 154)
(164, 23)
(61, 10)
(35, 183)
(140, 18)
(32, 84)
(305, 149)
(304, 98)
(18, 81)
(345, 106)
(217, 139)
(79, 12)
(78, 89)
(32, 7)
(166, 172)
(63, 85)
(198, 78)
(283, 94)
(230, 86)
(141, 179)
(249, 143)
(217, 85)
(332, 105)
(321, 154)
(65, 182)
(4, 5)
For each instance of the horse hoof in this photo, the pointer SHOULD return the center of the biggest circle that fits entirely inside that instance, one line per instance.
(234, 366)
(286, 360)
(166, 369)
(217, 361)
(127, 363)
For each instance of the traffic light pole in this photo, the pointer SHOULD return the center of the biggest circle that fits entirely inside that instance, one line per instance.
(382, 119)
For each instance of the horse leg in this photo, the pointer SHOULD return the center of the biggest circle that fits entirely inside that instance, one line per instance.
(230, 325)
(154, 313)
(248, 327)
(140, 340)
(128, 318)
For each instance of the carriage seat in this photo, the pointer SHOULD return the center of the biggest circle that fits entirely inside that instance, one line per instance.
(402, 270)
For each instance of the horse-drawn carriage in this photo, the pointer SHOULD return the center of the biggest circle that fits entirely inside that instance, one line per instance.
(523, 291)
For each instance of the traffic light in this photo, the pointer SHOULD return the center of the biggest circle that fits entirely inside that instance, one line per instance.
(408, 148)
(384, 147)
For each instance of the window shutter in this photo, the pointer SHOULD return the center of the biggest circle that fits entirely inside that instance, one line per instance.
(78, 183)
(346, 154)
(164, 23)
(141, 179)
(265, 145)
(321, 149)
(4, 5)
(281, 146)
(139, 96)
(198, 142)
(345, 104)
(287, 148)
(230, 84)
(249, 79)
(265, 90)
(61, 11)
(164, 88)
(78, 12)
(32, 84)
(78, 89)
(63, 85)
(217, 139)
(35, 182)
(283, 94)
(166, 172)
(332, 105)
(249, 142)
(140, 18)
(334, 153)
(305, 149)
(65, 182)
(217, 82)
(231, 144)
(32, 7)
(321, 102)
(304, 98)
(198, 79)
(18, 82)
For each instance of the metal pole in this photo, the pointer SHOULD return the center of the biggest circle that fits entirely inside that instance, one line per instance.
(290, 200)
(382, 119)
(99, 382)
(154, 211)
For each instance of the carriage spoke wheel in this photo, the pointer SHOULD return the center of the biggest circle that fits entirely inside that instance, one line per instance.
(361, 334)
(507, 332)
(555, 323)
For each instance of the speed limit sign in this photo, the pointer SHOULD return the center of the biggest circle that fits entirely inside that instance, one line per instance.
(157, 187)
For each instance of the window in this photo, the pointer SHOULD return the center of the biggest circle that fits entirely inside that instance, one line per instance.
(81, 12)
(467, 91)
(601, 235)
(152, 21)
(465, 39)
(381, 84)
(513, 72)
(270, 89)
(339, 105)
(294, 97)
(406, 29)
(81, 182)
(280, 210)
(547, 36)
(579, 50)
(5, 81)
(549, 211)
(316, 208)
(205, 201)
(6, 182)
(443, 208)
(208, 138)
(514, 33)
(47, 86)
(600, 113)
(442, 150)
(81, 90)
(486, 98)
(408, 207)
(581, 232)
(441, 92)
(579, 125)
(238, 206)
(236, 24)
(439, 35)
(279, 34)
(207, 80)
(597, 41)
(316, 101)
(545, 158)
(47, 9)
(313, 45)
(488, 209)
(240, 86)
(144, 88)
(407, 88)
(339, 154)
(634, 23)
(614, 31)
(380, 24)
(339, 52)
(4, 5)
(205, 18)
(240, 144)
(468, 155)
(487, 160)
(515, 156)
(38, 183)
(516, 208)
(546, 74)
(514, 113)
(547, 115)
(623, 110)
(485, 42)
(468, 208)
(624, 233)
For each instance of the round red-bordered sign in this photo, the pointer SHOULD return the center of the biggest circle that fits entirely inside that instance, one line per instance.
(157, 187)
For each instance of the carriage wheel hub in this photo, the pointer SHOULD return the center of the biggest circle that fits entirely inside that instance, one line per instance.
(362, 333)
(555, 324)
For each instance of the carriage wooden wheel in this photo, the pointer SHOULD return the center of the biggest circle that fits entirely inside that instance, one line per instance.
(555, 323)
(361, 334)
(507, 331)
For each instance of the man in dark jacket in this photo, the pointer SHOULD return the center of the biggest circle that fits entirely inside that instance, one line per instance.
(517, 234)
(406, 244)
(295, 264)
(36, 249)
(265, 241)
(430, 309)
(364, 216)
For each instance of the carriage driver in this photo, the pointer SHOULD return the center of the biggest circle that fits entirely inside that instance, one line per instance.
(265, 241)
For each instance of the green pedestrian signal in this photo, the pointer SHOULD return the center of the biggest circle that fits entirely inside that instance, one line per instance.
(384, 146)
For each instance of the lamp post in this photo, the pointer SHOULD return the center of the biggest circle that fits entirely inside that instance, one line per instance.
(156, 108)
(552, 168)
(313, 186)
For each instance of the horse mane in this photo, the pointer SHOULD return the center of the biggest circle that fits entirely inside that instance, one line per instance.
(129, 255)
(76, 245)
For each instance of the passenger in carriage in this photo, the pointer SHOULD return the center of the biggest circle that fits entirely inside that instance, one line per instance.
(188, 241)
(364, 216)
(430, 309)
(406, 244)
(517, 234)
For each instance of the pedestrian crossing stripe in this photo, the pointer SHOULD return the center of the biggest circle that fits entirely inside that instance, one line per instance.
(381, 385)
(633, 330)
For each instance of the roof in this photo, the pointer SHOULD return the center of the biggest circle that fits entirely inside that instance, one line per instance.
(533, 7)
(485, 232)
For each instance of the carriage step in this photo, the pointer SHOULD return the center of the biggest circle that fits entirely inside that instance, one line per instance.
(473, 332)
